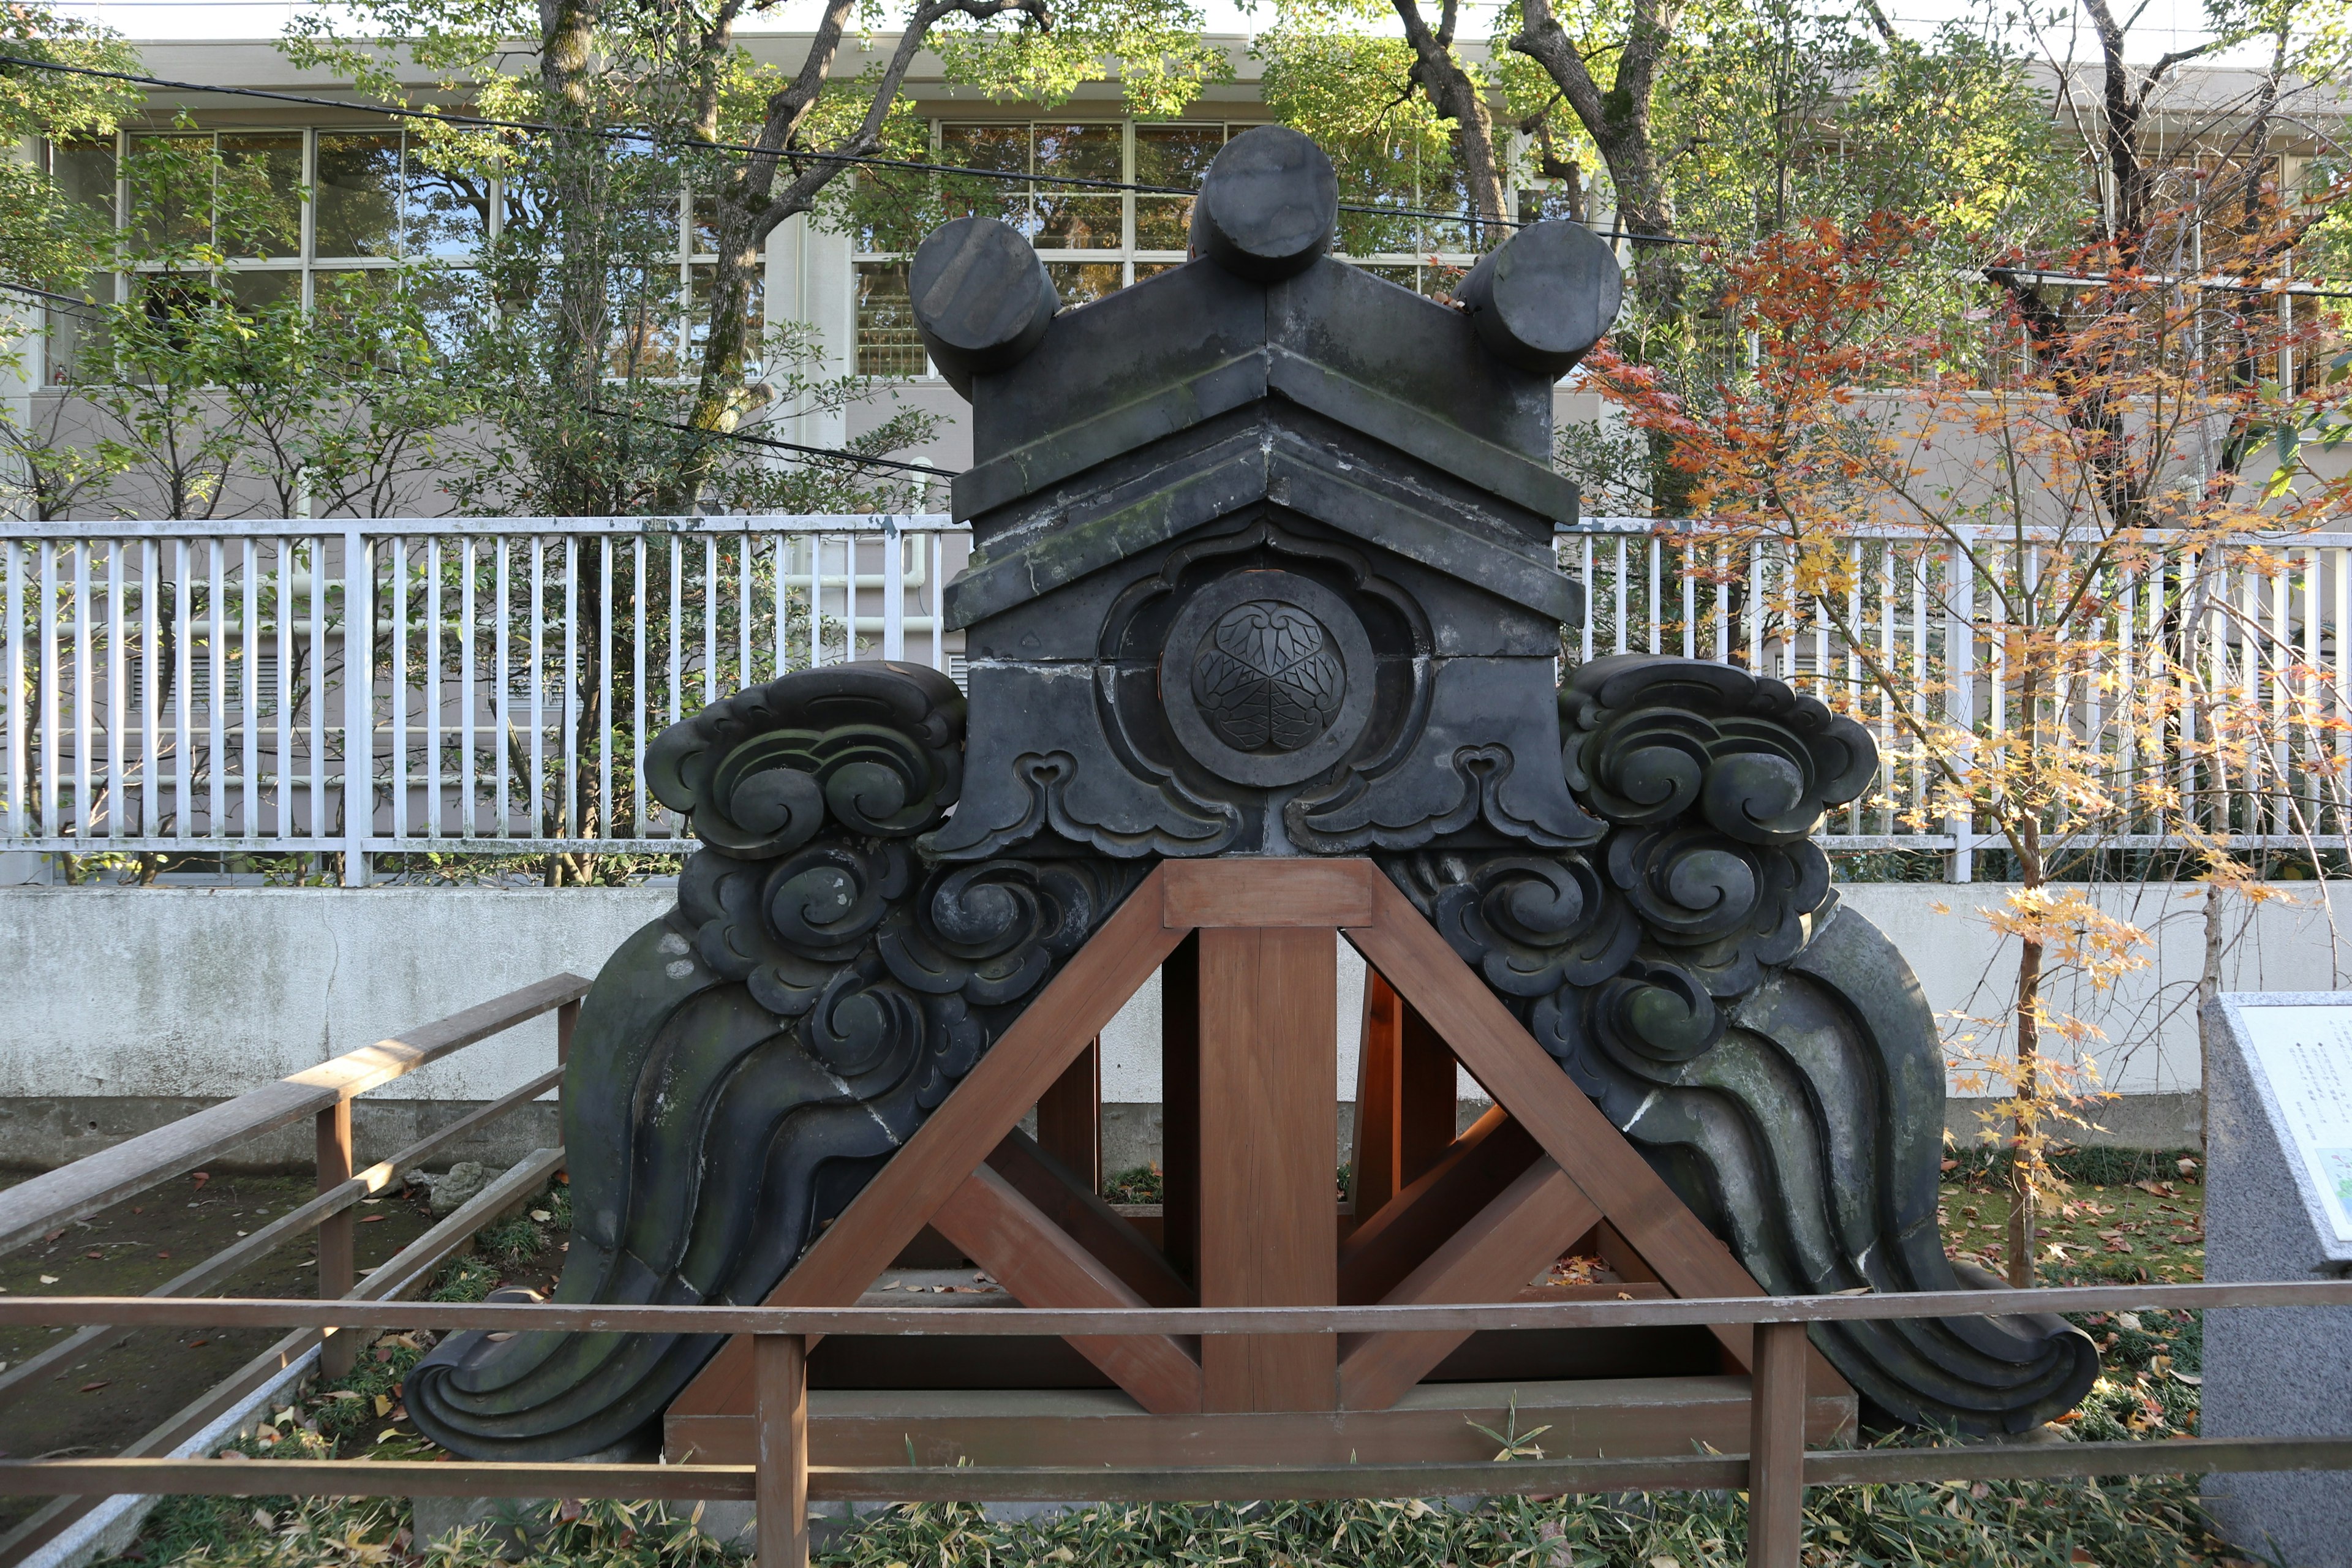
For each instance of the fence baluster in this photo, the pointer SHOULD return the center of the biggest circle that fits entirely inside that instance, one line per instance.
(603, 827)
(399, 783)
(216, 700)
(82, 816)
(568, 814)
(894, 592)
(431, 656)
(18, 730)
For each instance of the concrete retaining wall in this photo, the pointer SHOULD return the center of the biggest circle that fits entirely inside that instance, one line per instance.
(122, 1008)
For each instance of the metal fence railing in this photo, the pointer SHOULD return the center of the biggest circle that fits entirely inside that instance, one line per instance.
(197, 689)
(189, 689)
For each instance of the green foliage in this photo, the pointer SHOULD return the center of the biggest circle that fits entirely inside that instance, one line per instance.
(2123, 1523)
(1138, 1185)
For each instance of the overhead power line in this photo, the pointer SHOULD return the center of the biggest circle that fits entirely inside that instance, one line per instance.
(618, 135)
(835, 454)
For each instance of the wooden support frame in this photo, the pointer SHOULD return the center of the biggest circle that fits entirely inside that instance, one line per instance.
(1404, 1098)
(1247, 956)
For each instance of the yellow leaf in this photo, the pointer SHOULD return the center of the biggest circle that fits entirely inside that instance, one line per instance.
(382, 1405)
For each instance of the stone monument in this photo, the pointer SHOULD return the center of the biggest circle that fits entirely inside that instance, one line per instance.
(2278, 1205)
(1264, 571)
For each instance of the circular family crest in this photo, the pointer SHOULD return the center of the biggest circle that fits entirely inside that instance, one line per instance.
(1268, 678)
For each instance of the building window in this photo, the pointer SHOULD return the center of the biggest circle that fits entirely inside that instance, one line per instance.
(1094, 243)
(374, 202)
(887, 341)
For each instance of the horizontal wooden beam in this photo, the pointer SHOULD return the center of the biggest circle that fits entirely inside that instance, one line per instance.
(1265, 893)
(1621, 1417)
(101, 1180)
(265, 1311)
(378, 1477)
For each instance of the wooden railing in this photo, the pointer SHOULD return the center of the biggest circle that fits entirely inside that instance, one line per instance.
(1774, 1471)
(324, 1093)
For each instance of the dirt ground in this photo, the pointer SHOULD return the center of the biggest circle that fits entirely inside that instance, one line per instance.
(128, 1385)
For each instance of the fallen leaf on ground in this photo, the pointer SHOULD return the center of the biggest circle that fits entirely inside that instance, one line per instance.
(197, 1344)
(201, 1177)
(48, 1279)
(382, 1405)
(371, 1219)
(94, 1388)
(540, 1217)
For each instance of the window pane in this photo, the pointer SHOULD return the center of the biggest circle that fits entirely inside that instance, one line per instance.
(1163, 223)
(1083, 282)
(1077, 222)
(448, 304)
(1144, 270)
(645, 343)
(171, 193)
(1175, 155)
(85, 171)
(1003, 147)
(1085, 152)
(255, 292)
(359, 194)
(706, 225)
(258, 200)
(887, 341)
(80, 343)
(448, 214)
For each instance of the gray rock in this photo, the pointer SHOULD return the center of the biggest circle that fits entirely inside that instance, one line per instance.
(449, 1192)
(2282, 1372)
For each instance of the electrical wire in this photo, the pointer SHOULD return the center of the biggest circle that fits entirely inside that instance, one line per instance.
(836, 453)
(613, 133)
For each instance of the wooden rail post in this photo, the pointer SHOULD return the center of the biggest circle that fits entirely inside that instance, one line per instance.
(780, 1386)
(567, 1018)
(337, 1266)
(1776, 1447)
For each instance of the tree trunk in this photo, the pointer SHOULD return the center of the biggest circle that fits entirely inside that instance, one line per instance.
(2209, 987)
(2025, 1154)
(1452, 92)
(1619, 121)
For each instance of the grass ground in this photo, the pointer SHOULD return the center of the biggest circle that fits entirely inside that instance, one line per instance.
(2109, 1228)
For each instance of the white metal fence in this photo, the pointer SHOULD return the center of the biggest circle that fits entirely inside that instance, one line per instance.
(190, 689)
(186, 689)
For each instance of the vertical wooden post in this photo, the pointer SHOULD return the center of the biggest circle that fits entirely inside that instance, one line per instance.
(1270, 1123)
(1180, 1106)
(1069, 1117)
(1373, 1177)
(1425, 1071)
(1776, 1447)
(336, 1270)
(780, 1386)
(567, 1018)
(1405, 1099)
